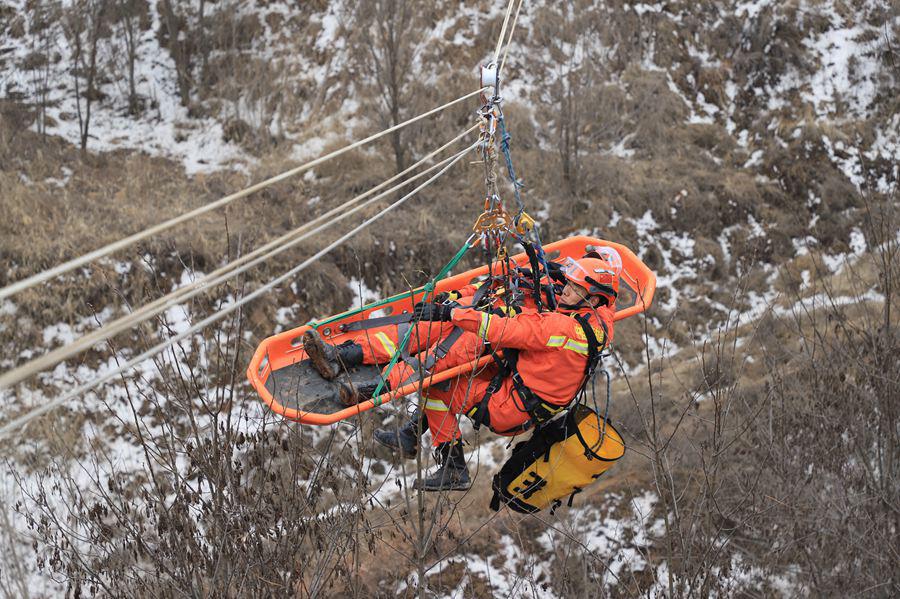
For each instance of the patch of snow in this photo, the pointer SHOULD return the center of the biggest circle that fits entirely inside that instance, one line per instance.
(755, 159)
(751, 10)
(362, 295)
(642, 9)
(285, 318)
(512, 572)
(857, 241)
(617, 543)
(614, 219)
(178, 319)
(60, 182)
(61, 333)
(646, 224)
(844, 75)
(330, 24)
(756, 229)
(850, 163)
(802, 244)
(619, 150)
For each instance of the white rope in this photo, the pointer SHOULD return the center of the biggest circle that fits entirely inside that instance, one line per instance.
(502, 36)
(17, 423)
(222, 274)
(44, 276)
(512, 31)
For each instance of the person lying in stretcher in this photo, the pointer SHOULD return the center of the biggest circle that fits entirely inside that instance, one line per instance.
(545, 361)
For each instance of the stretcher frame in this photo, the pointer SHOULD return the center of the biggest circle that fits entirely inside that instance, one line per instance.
(286, 348)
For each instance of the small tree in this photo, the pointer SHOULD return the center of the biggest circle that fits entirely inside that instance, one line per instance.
(389, 37)
(128, 17)
(568, 83)
(83, 22)
(42, 14)
(180, 47)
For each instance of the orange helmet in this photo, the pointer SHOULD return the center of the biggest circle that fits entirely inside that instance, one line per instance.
(598, 272)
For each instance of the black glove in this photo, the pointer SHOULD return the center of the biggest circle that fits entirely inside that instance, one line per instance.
(443, 296)
(555, 270)
(506, 311)
(433, 312)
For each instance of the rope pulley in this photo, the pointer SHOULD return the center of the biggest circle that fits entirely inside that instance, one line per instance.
(490, 77)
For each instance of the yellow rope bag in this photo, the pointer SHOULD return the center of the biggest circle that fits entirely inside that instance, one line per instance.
(560, 459)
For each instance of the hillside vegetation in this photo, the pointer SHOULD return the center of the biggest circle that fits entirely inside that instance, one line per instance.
(748, 151)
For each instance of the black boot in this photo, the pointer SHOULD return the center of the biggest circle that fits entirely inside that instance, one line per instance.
(351, 394)
(404, 441)
(330, 360)
(453, 475)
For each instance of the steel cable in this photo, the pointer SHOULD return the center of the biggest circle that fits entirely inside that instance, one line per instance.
(17, 423)
(222, 274)
(48, 274)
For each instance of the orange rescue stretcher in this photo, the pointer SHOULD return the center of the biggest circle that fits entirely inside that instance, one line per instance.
(276, 356)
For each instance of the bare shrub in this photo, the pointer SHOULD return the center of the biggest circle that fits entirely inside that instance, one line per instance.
(84, 23)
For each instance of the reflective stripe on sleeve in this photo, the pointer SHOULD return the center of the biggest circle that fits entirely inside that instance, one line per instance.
(577, 346)
(485, 323)
(566, 343)
(386, 343)
(556, 341)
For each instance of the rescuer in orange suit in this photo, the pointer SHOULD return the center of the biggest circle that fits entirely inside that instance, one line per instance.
(551, 353)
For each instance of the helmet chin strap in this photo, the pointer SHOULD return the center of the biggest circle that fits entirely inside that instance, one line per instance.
(583, 303)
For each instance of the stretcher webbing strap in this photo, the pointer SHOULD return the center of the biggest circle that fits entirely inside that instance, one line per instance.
(443, 348)
(440, 351)
(374, 323)
(429, 289)
(480, 293)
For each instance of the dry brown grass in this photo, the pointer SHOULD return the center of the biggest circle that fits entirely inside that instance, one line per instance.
(114, 194)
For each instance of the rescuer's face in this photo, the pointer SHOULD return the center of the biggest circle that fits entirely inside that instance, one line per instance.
(572, 294)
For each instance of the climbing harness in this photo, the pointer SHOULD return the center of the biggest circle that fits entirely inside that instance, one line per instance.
(537, 408)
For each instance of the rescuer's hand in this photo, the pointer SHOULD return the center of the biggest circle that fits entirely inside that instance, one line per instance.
(444, 296)
(434, 312)
(555, 270)
(506, 311)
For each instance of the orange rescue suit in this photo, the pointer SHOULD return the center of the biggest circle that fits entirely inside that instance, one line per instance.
(552, 360)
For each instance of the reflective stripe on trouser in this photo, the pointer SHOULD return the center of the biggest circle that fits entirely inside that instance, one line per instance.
(467, 348)
(462, 396)
(379, 344)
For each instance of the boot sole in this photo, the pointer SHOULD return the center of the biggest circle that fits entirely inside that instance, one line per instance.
(456, 487)
(396, 449)
(312, 345)
(347, 394)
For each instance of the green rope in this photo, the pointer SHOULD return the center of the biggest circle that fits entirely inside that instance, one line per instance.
(429, 288)
(316, 324)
